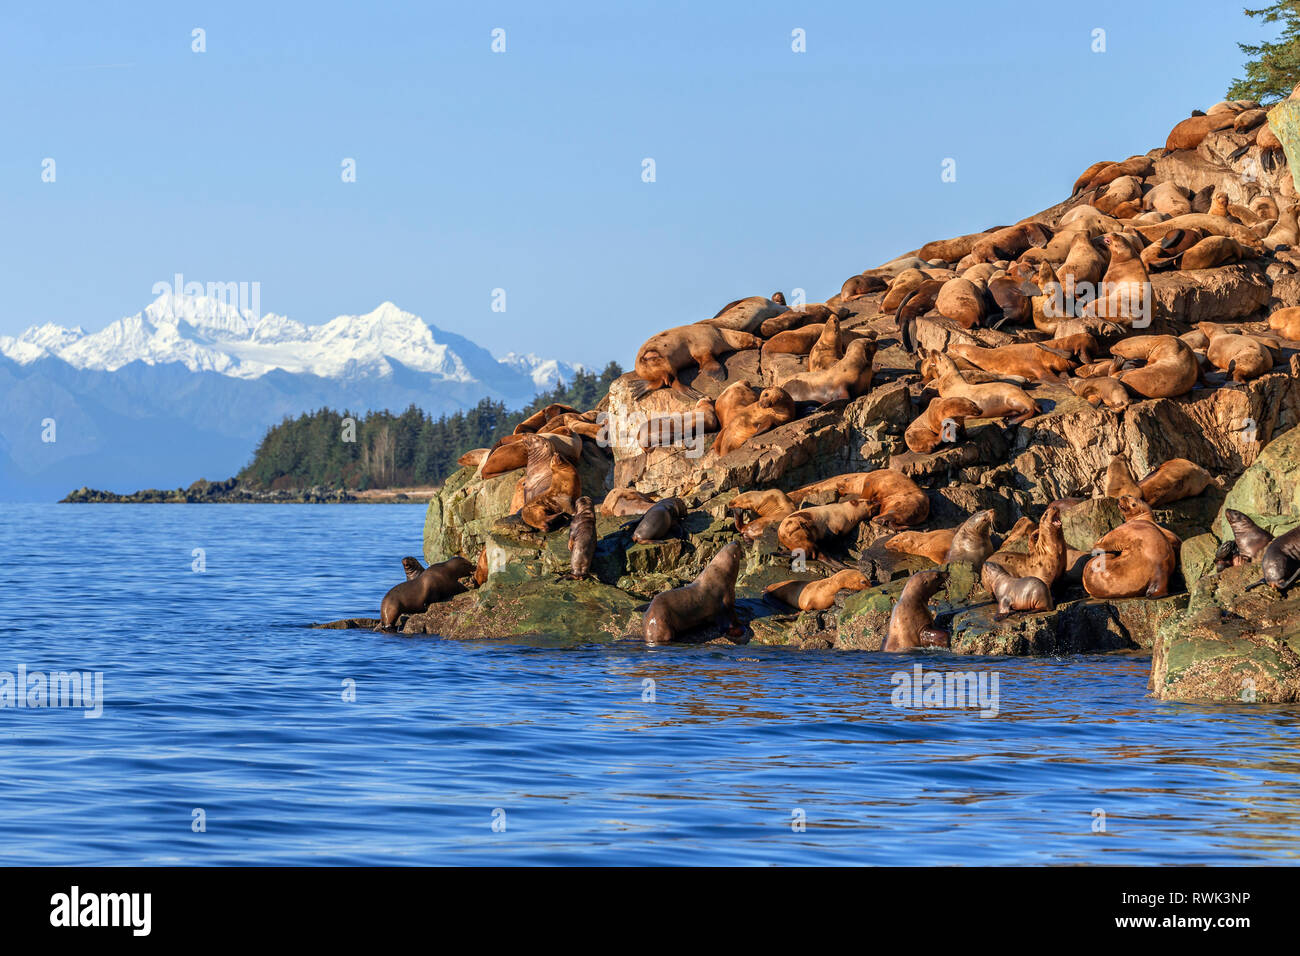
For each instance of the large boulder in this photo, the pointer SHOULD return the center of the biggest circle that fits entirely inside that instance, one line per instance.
(1269, 490)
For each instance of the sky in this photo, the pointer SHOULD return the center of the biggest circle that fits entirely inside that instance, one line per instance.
(524, 170)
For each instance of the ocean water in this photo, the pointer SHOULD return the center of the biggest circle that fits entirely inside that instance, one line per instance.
(226, 738)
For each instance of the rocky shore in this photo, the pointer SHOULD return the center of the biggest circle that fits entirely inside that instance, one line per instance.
(232, 492)
(1212, 636)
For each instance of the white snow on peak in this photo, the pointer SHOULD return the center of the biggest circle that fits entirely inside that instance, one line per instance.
(544, 372)
(207, 334)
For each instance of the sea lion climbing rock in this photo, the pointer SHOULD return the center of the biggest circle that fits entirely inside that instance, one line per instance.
(582, 539)
(711, 596)
(437, 582)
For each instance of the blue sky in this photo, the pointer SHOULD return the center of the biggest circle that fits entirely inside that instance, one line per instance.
(522, 170)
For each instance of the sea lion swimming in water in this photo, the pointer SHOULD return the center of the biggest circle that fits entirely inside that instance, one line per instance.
(911, 624)
(437, 582)
(710, 596)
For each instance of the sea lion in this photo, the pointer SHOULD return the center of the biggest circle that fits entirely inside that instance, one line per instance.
(1034, 361)
(1120, 191)
(769, 506)
(472, 458)
(1189, 133)
(811, 314)
(1012, 298)
(971, 542)
(1101, 390)
(1171, 369)
(437, 582)
(1083, 265)
(855, 287)
(911, 624)
(1133, 559)
(1248, 541)
(659, 520)
(1202, 222)
(804, 530)
(679, 429)
(1046, 557)
(1285, 231)
(1010, 242)
(902, 285)
(848, 378)
(1281, 561)
(1215, 251)
(934, 545)
(1119, 480)
(817, 595)
(829, 347)
(1169, 198)
(1173, 481)
(932, 427)
(1016, 594)
(1139, 166)
(626, 503)
(1135, 509)
(710, 596)
(950, 250)
(745, 315)
(550, 484)
(995, 399)
(1125, 293)
(774, 407)
(1286, 323)
(898, 500)
(412, 568)
(511, 451)
(962, 301)
(535, 421)
(582, 538)
(1243, 357)
(734, 397)
(666, 355)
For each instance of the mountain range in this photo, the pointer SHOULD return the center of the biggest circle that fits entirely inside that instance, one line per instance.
(188, 386)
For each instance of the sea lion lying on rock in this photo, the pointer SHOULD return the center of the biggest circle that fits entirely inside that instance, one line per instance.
(898, 500)
(995, 399)
(626, 503)
(659, 520)
(803, 531)
(817, 595)
(666, 355)
(1016, 594)
(769, 506)
(1132, 560)
(941, 422)
(773, 407)
(1173, 481)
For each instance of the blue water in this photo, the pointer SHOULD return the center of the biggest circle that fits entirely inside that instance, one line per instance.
(217, 698)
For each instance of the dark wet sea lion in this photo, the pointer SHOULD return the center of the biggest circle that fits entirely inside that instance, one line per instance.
(659, 520)
(437, 582)
(582, 538)
(412, 567)
(710, 596)
(1281, 561)
(911, 615)
(1248, 541)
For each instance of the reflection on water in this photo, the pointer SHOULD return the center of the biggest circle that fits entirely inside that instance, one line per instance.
(218, 699)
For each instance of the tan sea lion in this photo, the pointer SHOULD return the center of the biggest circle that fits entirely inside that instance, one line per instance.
(582, 538)
(1135, 509)
(934, 545)
(1010, 242)
(472, 458)
(512, 451)
(1084, 264)
(829, 347)
(626, 503)
(1132, 560)
(746, 315)
(817, 595)
(712, 595)
(848, 378)
(1016, 594)
(734, 397)
(1215, 251)
(666, 355)
(773, 408)
(1241, 356)
(1170, 369)
(803, 531)
(1046, 557)
(1101, 390)
(962, 301)
(898, 500)
(551, 485)
(972, 542)
(1125, 294)
(769, 506)
(1189, 133)
(1119, 480)
(437, 582)
(995, 399)
(1034, 361)
(855, 287)
(1286, 323)
(911, 624)
(535, 421)
(1173, 481)
(941, 421)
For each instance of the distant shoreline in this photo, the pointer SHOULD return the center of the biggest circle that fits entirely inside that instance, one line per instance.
(220, 493)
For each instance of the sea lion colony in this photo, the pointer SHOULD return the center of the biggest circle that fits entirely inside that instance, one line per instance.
(991, 328)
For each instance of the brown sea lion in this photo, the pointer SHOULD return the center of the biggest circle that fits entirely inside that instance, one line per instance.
(1084, 264)
(803, 531)
(950, 250)
(1281, 561)
(972, 542)
(1034, 361)
(711, 596)
(734, 397)
(679, 429)
(1243, 357)
(582, 538)
(1286, 323)
(412, 568)
(898, 500)
(1101, 390)
(811, 314)
(666, 355)
(1016, 594)
(995, 399)
(773, 408)
(911, 624)
(1202, 222)
(472, 458)
(901, 286)
(1173, 481)
(1189, 133)
(535, 421)
(817, 595)
(769, 506)
(934, 545)
(1139, 166)
(1135, 509)
(848, 378)
(855, 287)
(941, 421)
(626, 503)
(1133, 559)
(1046, 557)
(1010, 242)
(512, 451)
(437, 582)
(1215, 251)
(829, 347)
(1125, 292)
(1025, 528)
(962, 301)
(659, 520)
(1012, 297)
(745, 315)
(1247, 543)
(1119, 480)
(551, 485)
(1171, 369)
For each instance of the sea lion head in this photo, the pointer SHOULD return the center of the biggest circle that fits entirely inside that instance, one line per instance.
(778, 298)
(412, 566)
(1132, 507)
(583, 505)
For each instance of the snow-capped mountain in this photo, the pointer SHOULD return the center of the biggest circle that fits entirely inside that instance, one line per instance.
(189, 385)
(207, 335)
